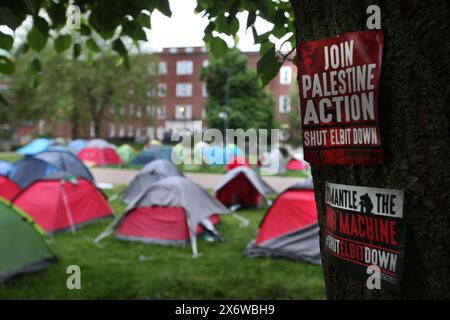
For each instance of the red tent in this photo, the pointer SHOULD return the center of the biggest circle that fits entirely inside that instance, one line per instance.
(237, 162)
(8, 188)
(164, 225)
(57, 204)
(289, 228)
(296, 164)
(242, 186)
(99, 156)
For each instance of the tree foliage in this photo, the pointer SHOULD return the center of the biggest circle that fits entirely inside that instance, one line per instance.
(249, 105)
(112, 22)
(78, 91)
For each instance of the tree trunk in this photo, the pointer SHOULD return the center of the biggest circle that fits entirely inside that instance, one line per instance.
(414, 124)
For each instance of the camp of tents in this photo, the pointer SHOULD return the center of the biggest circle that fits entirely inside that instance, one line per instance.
(52, 190)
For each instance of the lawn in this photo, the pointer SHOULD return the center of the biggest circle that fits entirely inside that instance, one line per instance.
(115, 271)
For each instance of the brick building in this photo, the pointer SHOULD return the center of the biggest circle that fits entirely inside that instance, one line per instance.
(181, 96)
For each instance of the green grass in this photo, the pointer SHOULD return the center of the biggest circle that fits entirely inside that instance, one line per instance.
(115, 272)
(10, 156)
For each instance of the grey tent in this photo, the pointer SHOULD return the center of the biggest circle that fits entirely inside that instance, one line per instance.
(170, 211)
(242, 186)
(273, 163)
(66, 162)
(24, 172)
(289, 228)
(152, 172)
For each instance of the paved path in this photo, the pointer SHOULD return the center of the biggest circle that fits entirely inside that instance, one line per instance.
(206, 180)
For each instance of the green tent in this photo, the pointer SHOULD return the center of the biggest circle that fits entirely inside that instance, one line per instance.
(126, 153)
(22, 247)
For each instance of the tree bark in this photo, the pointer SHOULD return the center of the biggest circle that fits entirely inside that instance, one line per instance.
(414, 123)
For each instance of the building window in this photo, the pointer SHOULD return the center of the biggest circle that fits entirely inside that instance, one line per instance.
(183, 112)
(150, 132)
(285, 75)
(284, 132)
(138, 132)
(160, 133)
(131, 109)
(162, 90)
(185, 67)
(112, 130)
(138, 112)
(184, 90)
(204, 90)
(152, 68)
(122, 131)
(284, 104)
(203, 113)
(162, 67)
(130, 130)
(149, 111)
(161, 112)
(173, 50)
(122, 111)
(151, 91)
(92, 130)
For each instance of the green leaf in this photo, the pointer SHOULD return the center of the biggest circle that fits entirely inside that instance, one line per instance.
(251, 19)
(36, 39)
(92, 45)
(62, 43)
(119, 47)
(164, 7)
(134, 30)
(35, 65)
(268, 66)
(57, 13)
(266, 45)
(260, 38)
(41, 24)
(6, 65)
(85, 30)
(76, 50)
(218, 46)
(6, 41)
(144, 20)
(11, 18)
(210, 28)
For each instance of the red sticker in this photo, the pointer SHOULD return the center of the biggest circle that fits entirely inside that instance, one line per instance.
(339, 81)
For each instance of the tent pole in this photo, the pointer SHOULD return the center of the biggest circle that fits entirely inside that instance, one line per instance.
(67, 207)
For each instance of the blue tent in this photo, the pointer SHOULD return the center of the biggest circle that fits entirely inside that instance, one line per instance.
(152, 153)
(5, 167)
(44, 164)
(36, 146)
(77, 145)
(218, 155)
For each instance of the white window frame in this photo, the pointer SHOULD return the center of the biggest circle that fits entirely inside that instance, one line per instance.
(282, 108)
(122, 131)
(186, 115)
(130, 130)
(150, 132)
(185, 67)
(160, 133)
(162, 67)
(285, 75)
(204, 90)
(112, 130)
(162, 90)
(161, 112)
(184, 89)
